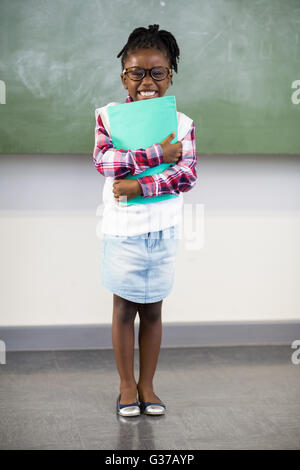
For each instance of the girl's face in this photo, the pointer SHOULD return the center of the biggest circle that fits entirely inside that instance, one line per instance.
(146, 58)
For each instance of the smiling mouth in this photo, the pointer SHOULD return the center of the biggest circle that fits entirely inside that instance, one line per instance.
(148, 94)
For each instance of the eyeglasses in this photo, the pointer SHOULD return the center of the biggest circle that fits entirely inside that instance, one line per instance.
(138, 73)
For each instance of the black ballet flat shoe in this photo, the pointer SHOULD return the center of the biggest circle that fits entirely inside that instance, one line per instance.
(153, 409)
(132, 409)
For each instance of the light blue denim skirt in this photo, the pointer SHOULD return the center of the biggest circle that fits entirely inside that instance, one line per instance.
(140, 268)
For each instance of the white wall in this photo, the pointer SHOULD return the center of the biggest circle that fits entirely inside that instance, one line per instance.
(247, 269)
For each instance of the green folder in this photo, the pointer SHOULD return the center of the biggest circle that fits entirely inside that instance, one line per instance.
(140, 124)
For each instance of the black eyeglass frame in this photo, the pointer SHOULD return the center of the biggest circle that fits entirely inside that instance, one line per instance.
(145, 70)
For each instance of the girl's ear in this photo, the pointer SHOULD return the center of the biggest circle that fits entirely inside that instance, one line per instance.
(123, 81)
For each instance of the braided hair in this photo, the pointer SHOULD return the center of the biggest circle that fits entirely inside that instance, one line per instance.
(143, 38)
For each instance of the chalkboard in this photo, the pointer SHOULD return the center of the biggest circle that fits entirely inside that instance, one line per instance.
(239, 62)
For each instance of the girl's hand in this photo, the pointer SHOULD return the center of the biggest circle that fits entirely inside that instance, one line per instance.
(126, 187)
(171, 152)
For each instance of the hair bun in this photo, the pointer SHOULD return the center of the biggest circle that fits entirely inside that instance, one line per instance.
(153, 28)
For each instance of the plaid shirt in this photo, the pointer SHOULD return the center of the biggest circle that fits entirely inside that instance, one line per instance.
(180, 177)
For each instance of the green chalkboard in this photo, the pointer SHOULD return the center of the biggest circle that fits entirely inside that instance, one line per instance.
(239, 61)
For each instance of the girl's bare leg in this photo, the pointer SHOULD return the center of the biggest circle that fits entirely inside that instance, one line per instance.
(124, 313)
(150, 334)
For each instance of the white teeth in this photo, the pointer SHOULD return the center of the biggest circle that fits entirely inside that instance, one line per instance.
(147, 93)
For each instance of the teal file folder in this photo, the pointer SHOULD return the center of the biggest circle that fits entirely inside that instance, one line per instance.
(140, 124)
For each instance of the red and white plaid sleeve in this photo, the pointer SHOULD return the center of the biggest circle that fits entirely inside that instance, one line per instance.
(180, 177)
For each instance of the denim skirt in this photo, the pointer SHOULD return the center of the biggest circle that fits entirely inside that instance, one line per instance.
(140, 268)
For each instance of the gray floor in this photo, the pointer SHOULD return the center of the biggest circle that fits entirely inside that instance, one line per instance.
(217, 398)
